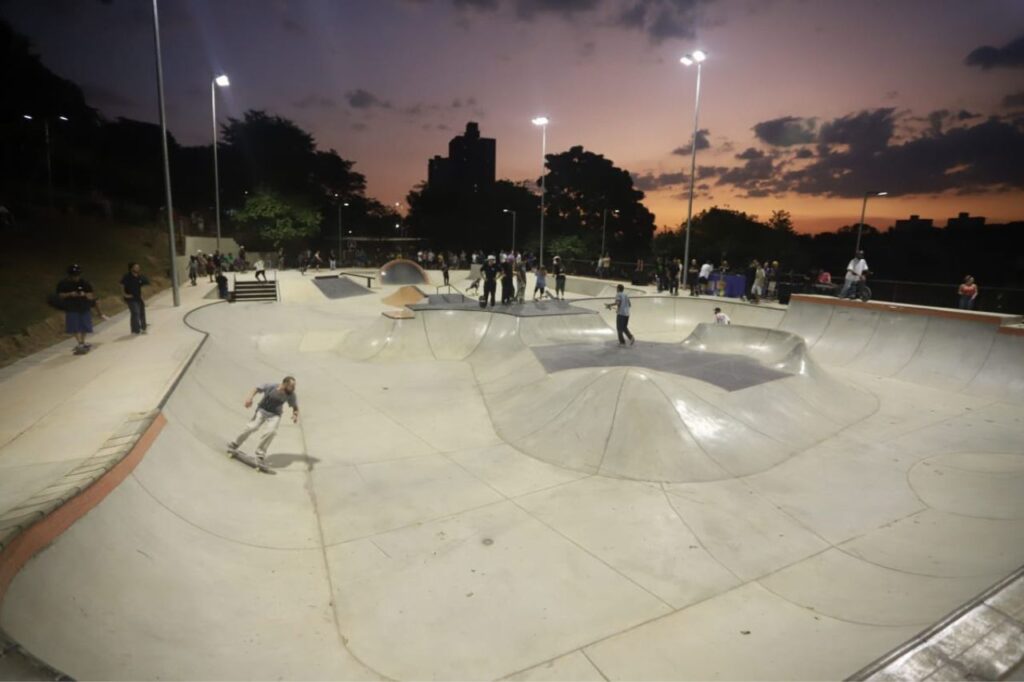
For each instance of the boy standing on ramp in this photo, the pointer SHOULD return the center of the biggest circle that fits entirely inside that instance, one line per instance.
(268, 412)
(621, 304)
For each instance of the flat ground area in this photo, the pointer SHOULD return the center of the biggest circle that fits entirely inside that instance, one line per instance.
(470, 495)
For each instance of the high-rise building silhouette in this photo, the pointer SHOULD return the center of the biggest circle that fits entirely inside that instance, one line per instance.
(470, 165)
(914, 222)
(965, 219)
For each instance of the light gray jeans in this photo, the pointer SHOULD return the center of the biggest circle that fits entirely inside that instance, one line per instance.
(261, 417)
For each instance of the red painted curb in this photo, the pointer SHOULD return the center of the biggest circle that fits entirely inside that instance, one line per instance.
(38, 536)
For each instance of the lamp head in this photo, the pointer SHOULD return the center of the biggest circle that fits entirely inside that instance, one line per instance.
(26, 117)
(881, 194)
(699, 56)
(222, 81)
(540, 121)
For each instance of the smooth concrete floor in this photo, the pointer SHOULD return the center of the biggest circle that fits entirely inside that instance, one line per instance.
(448, 509)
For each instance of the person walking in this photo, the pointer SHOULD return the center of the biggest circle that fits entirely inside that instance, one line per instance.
(540, 284)
(489, 271)
(193, 269)
(622, 306)
(268, 413)
(131, 288)
(968, 292)
(721, 318)
(704, 276)
(854, 274)
(76, 296)
(559, 271)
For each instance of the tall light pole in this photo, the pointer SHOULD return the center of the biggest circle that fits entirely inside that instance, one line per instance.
(604, 224)
(863, 209)
(49, 163)
(167, 163)
(223, 82)
(341, 204)
(542, 121)
(507, 210)
(696, 57)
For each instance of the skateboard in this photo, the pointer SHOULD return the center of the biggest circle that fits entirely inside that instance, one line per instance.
(234, 453)
(82, 350)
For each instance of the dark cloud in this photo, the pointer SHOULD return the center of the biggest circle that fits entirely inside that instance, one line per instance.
(987, 57)
(529, 9)
(358, 127)
(978, 158)
(891, 95)
(754, 177)
(476, 4)
(864, 131)
(804, 153)
(750, 153)
(702, 143)
(1015, 99)
(363, 99)
(786, 131)
(315, 102)
(649, 181)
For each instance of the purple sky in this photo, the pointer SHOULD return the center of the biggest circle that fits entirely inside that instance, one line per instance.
(387, 82)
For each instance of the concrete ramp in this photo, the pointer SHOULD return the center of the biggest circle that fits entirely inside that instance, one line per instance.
(339, 287)
(401, 271)
(405, 295)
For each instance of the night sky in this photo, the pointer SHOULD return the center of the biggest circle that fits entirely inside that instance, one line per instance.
(807, 104)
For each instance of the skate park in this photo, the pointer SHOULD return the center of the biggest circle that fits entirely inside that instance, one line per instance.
(508, 493)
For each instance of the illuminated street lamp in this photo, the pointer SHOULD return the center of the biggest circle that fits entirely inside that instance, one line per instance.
(863, 209)
(542, 121)
(696, 57)
(222, 82)
(508, 210)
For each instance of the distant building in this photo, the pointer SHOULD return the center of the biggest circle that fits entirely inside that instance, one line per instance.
(914, 222)
(965, 219)
(470, 166)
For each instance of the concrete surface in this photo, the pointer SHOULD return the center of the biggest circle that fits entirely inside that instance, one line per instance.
(450, 509)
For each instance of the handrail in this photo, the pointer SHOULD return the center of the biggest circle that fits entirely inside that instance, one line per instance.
(359, 274)
(437, 290)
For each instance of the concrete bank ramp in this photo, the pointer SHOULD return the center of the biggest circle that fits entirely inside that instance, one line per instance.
(339, 287)
(401, 271)
(405, 295)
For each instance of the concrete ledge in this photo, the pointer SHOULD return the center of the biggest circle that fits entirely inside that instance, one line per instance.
(947, 313)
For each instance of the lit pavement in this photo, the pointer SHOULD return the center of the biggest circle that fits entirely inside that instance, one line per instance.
(451, 506)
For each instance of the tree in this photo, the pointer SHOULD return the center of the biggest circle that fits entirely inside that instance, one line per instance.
(580, 186)
(278, 220)
(781, 221)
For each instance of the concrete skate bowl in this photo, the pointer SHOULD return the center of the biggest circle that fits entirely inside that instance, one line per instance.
(726, 402)
(406, 536)
(402, 271)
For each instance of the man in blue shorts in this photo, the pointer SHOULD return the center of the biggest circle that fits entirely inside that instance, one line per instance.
(76, 297)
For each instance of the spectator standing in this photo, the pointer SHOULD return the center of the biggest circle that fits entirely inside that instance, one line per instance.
(704, 276)
(131, 288)
(489, 271)
(692, 273)
(854, 275)
(222, 284)
(508, 292)
(193, 269)
(760, 276)
(968, 292)
(521, 281)
(622, 306)
(674, 268)
(444, 269)
(76, 296)
(559, 271)
(540, 284)
(332, 258)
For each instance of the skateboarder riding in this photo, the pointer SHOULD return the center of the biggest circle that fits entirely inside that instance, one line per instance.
(268, 412)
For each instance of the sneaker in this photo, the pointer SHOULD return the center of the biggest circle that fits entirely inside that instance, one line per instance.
(632, 340)
(144, 331)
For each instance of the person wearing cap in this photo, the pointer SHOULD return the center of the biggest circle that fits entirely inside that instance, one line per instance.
(559, 271)
(490, 272)
(76, 296)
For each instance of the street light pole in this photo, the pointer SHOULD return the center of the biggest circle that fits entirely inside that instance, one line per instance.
(696, 57)
(340, 205)
(863, 210)
(604, 225)
(223, 82)
(167, 164)
(506, 210)
(542, 121)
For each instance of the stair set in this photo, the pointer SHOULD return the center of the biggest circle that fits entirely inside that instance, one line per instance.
(252, 290)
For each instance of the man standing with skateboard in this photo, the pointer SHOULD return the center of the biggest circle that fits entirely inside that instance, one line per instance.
(268, 412)
(76, 297)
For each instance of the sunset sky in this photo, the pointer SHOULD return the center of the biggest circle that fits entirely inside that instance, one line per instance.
(807, 103)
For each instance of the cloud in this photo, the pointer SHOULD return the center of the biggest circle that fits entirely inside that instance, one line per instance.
(358, 127)
(786, 131)
(1015, 99)
(987, 57)
(702, 143)
(314, 101)
(891, 95)
(976, 158)
(649, 181)
(804, 153)
(864, 131)
(754, 177)
(529, 9)
(363, 99)
(476, 4)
